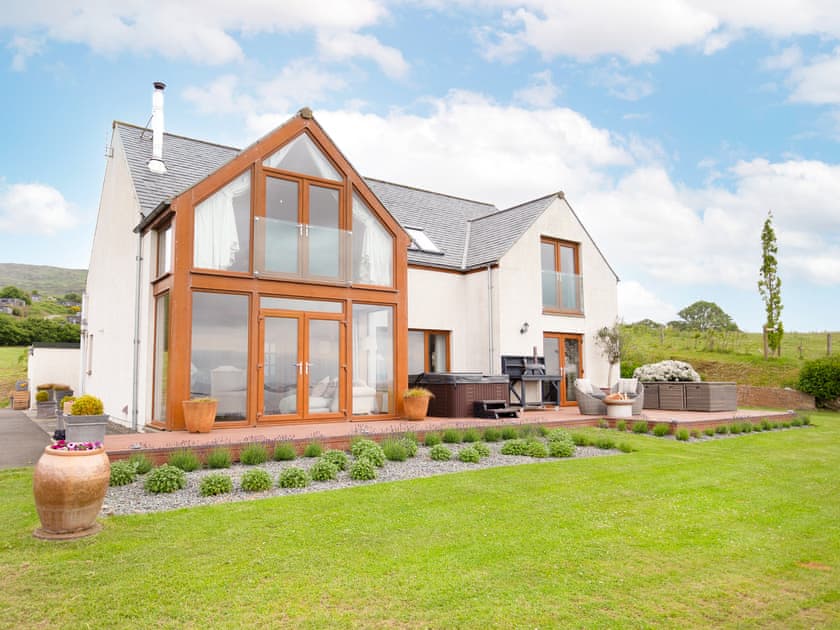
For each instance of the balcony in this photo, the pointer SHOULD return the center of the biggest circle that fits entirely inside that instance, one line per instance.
(288, 250)
(562, 292)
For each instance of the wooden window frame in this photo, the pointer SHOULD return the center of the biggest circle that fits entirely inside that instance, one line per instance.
(557, 243)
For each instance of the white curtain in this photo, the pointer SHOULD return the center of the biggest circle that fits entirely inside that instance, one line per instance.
(216, 237)
(372, 265)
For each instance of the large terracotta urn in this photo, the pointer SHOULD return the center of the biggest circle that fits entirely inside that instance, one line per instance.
(69, 488)
(199, 414)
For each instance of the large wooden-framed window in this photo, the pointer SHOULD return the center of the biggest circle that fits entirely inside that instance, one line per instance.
(428, 351)
(374, 359)
(562, 282)
(160, 377)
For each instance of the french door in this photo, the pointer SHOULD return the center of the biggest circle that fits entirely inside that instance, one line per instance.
(301, 366)
(562, 356)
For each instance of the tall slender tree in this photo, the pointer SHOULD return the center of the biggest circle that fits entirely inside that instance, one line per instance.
(770, 286)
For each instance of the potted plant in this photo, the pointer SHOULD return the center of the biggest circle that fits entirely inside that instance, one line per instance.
(199, 414)
(87, 420)
(416, 402)
(45, 407)
(69, 483)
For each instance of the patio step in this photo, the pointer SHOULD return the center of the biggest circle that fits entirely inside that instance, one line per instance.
(494, 409)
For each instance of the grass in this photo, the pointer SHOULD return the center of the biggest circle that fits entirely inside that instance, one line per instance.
(723, 533)
(13, 361)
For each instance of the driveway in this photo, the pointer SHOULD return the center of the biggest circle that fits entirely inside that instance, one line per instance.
(21, 440)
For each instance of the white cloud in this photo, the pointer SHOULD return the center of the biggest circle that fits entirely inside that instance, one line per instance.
(788, 58)
(817, 82)
(620, 84)
(34, 209)
(540, 92)
(344, 46)
(24, 48)
(636, 302)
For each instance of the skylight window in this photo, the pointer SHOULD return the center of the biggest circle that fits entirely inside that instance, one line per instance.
(421, 242)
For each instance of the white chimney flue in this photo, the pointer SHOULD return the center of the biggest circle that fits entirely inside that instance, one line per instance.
(156, 164)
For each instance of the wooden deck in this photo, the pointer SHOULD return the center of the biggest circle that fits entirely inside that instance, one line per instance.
(157, 445)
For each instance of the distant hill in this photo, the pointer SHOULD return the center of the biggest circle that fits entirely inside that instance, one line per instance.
(42, 278)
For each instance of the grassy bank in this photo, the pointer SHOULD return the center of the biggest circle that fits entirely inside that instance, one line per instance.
(726, 533)
(12, 368)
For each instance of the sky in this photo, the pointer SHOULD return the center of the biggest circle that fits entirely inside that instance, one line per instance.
(673, 127)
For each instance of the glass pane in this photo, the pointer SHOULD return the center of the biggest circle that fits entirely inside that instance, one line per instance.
(164, 251)
(281, 236)
(373, 359)
(324, 250)
(549, 277)
(161, 356)
(547, 256)
(281, 366)
(219, 357)
(301, 155)
(416, 352)
(551, 352)
(223, 228)
(567, 259)
(281, 199)
(324, 349)
(292, 304)
(437, 352)
(572, 364)
(373, 247)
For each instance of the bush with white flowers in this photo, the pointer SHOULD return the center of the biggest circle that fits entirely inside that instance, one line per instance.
(666, 371)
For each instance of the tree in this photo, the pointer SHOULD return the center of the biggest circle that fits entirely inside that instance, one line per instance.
(770, 287)
(608, 339)
(14, 292)
(72, 297)
(705, 316)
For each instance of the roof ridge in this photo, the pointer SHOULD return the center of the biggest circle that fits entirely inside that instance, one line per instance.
(559, 194)
(176, 135)
(465, 255)
(431, 192)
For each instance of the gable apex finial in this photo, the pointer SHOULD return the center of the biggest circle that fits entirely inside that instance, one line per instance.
(305, 113)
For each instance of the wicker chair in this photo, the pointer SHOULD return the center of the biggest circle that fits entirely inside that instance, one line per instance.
(625, 386)
(587, 403)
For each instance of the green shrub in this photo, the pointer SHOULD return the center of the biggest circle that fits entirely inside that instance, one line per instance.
(219, 458)
(620, 425)
(775, 425)
(141, 463)
(605, 443)
(796, 422)
(821, 379)
(87, 405)
(509, 433)
(42, 396)
(806, 420)
(370, 450)
(695, 434)
(640, 427)
(452, 436)
(322, 470)
(746, 427)
(313, 449)
(515, 447)
(661, 429)
(471, 435)
(336, 458)
(682, 435)
(164, 479)
(409, 445)
(122, 473)
(362, 470)
(558, 435)
(526, 431)
(284, 452)
(721, 429)
(603, 424)
(411, 436)
(431, 438)
(255, 480)
(492, 434)
(735, 428)
(709, 432)
(560, 448)
(624, 447)
(215, 484)
(440, 453)
(482, 449)
(581, 439)
(184, 459)
(786, 425)
(536, 448)
(394, 450)
(765, 425)
(253, 454)
(469, 455)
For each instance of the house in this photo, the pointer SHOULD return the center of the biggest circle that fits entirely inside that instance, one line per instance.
(12, 302)
(281, 282)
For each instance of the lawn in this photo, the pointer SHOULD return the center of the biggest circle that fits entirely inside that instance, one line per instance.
(738, 532)
(12, 368)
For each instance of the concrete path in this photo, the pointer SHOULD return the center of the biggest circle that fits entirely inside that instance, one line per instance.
(21, 440)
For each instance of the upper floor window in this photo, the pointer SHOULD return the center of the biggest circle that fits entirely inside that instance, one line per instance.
(562, 284)
(164, 250)
(223, 228)
(421, 242)
(301, 155)
(373, 247)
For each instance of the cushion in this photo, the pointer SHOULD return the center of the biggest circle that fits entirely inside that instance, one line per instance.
(598, 394)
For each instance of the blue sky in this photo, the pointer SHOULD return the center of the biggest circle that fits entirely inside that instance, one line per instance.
(672, 127)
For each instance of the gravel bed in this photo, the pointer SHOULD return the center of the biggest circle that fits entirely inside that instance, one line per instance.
(133, 499)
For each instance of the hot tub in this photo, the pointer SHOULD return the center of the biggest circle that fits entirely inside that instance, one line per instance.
(455, 392)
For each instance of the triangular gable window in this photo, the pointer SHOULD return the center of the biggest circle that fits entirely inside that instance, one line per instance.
(301, 155)
(373, 247)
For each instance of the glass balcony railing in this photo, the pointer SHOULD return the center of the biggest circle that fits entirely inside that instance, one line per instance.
(285, 249)
(562, 292)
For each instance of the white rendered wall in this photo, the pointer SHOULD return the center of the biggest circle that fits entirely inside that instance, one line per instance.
(52, 365)
(520, 290)
(111, 291)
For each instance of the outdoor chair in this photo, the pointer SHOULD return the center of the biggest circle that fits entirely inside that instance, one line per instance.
(590, 402)
(634, 389)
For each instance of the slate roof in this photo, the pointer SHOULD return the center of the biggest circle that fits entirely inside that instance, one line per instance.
(469, 233)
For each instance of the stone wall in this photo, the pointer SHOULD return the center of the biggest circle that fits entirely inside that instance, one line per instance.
(774, 398)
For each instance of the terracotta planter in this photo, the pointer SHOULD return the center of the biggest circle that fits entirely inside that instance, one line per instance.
(69, 488)
(416, 407)
(199, 415)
